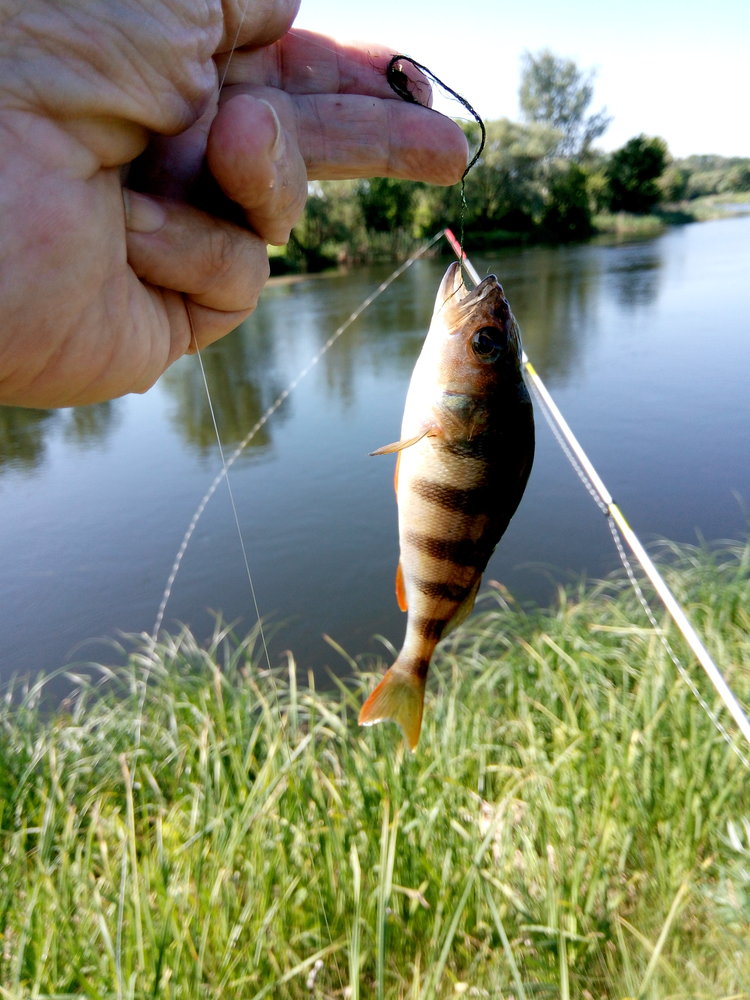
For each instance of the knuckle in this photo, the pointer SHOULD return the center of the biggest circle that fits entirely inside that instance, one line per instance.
(221, 255)
(237, 268)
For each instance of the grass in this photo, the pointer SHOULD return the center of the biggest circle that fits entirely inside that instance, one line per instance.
(572, 825)
(627, 226)
(717, 206)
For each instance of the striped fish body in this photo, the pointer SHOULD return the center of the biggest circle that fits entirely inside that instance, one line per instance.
(464, 457)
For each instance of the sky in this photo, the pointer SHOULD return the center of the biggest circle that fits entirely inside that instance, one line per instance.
(680, 71)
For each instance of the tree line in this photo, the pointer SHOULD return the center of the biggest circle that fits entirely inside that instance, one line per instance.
(537, 179)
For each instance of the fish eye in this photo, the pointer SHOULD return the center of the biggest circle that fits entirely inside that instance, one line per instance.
(489, 343)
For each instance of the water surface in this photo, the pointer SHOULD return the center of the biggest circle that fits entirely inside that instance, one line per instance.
(645, 347)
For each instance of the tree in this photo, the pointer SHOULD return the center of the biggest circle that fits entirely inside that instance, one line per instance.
(505, 189)
(633, 174)
(673, 184)
(555, 92)
(386, 204)
(566, 213)
(737, 178)
(332, 226)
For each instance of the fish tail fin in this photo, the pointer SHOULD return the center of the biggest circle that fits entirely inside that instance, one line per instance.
(398, 698)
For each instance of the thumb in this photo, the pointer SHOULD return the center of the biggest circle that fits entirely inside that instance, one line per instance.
(254, 155)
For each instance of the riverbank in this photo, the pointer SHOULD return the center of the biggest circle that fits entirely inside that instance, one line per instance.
(289, 265)
(572, 824)
(623, 225)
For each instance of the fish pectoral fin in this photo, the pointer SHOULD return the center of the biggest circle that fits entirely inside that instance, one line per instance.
(428, 430)
(398, 698)
(400, 588)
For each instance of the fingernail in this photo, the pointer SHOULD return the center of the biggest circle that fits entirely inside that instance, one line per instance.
(278, 140)
(142, 214)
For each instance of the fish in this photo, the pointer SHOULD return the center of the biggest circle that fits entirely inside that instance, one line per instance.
(463, 460)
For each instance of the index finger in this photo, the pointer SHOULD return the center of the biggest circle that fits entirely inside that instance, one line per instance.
(304, 62)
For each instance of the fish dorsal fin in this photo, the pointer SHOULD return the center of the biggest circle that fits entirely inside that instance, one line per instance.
(396, 446)
(400, 588)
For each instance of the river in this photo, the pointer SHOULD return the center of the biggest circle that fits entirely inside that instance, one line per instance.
(644, 345)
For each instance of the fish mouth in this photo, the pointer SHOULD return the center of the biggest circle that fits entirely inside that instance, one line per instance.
(461, 308)
(453, 289)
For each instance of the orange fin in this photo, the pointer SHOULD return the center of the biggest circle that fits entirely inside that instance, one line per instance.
(398, 698)
(400, 589)
(396, 446)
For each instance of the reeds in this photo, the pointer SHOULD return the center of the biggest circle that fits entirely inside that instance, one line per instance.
(572, 824)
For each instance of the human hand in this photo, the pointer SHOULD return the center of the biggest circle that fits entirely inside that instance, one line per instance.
(101, 295)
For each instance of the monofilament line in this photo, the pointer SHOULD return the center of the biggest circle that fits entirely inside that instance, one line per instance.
(226, 464)
(266, 416)
(633, 579)
(398, 81)
(235, 515)
(591, 479)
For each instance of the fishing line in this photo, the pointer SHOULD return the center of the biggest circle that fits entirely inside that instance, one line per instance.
(633, 579)
(233, 505)
(613, 515)
(618, 526)
(227, 463)
(398, 81)
(233, 46)
(285, 742)
(718, 724)
(224, 474)
(399, 84)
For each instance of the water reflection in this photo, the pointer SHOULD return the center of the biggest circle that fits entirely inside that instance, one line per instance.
(242, 381)
(556, 293)
(636, 277)
(551, 290)
(22, 436)
(248, 370)
(88, 425)
(24, 432)
(88, 537)
(385, 339)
